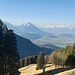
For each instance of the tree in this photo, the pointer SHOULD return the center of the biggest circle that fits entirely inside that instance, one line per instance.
(20, 63)
(73, 54)
(27, 61)
(71, 57)
(9, 55)
(34, 58)
(40, 61)
(11, 51)
(23, 62)
(1, 48)
(69, 60)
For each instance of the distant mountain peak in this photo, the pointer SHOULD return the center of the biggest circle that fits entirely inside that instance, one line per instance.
(27, 24)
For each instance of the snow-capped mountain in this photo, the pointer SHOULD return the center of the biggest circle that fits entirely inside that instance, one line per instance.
(27, 30)
(30, 28)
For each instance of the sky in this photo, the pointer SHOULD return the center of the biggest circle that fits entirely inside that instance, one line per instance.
(39, 12)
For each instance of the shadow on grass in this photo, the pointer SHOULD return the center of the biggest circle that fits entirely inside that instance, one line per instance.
(55, 71)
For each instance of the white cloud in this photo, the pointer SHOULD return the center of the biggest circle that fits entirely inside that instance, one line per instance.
(59, 26)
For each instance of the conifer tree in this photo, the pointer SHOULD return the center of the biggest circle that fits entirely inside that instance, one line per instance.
(11, 52)
(9, 55)
(1, 48)
(71, 57)
(23, 62)
(40, 61)
(27, 61)
(73, 51)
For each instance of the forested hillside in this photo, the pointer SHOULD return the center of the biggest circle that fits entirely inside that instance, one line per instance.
(64, 56)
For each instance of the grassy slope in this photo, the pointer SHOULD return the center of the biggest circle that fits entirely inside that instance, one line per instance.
(69, 72)
(31, 70)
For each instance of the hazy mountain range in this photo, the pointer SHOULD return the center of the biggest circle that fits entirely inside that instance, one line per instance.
(59, 35)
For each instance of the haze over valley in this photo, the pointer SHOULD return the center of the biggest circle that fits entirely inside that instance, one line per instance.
(60, 36)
